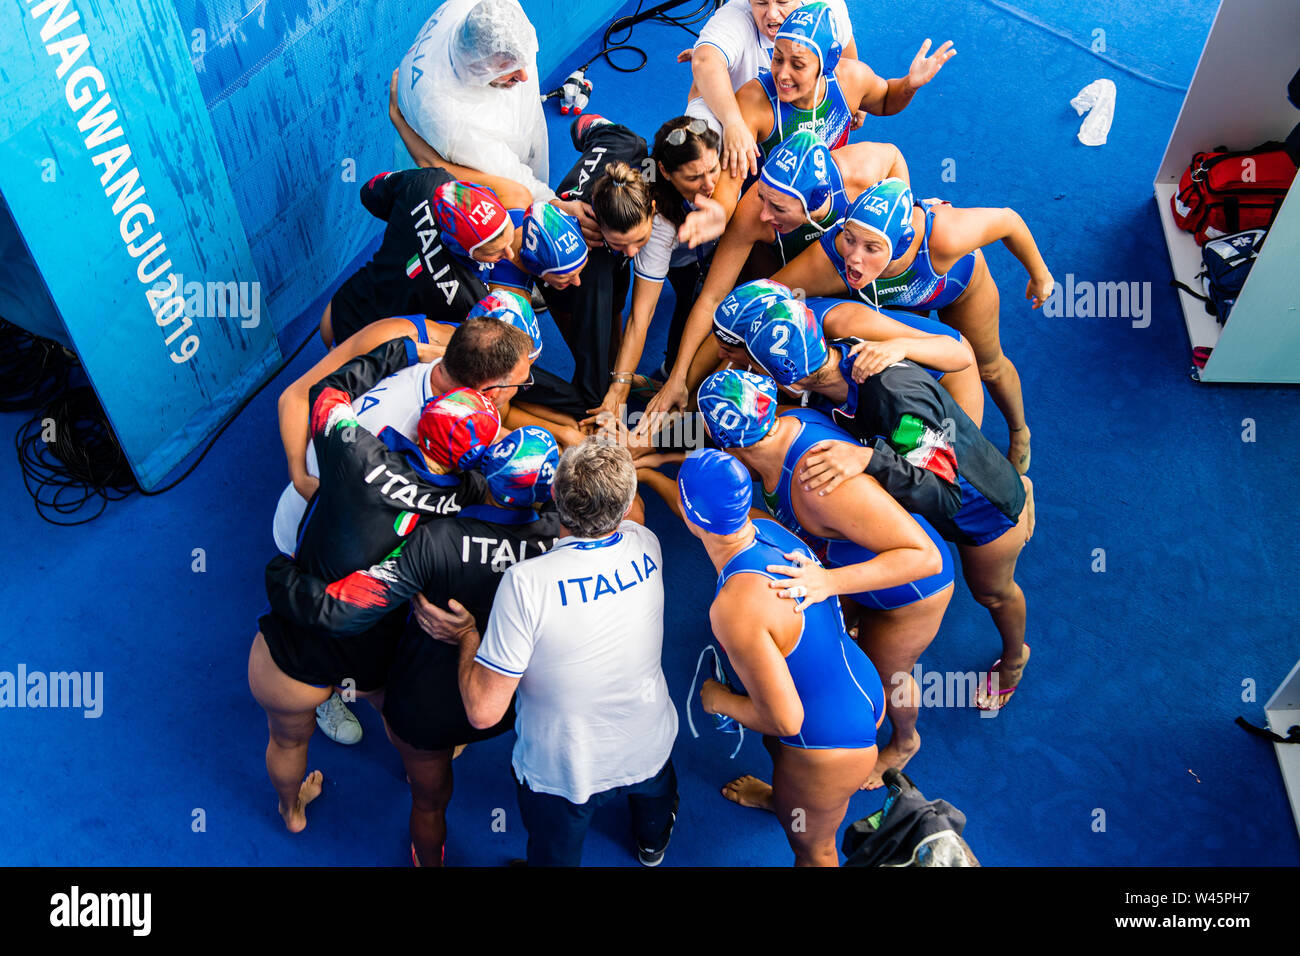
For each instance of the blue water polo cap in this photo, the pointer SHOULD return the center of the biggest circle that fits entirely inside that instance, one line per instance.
(787, 341)
(552, 242)
(886, 209)
(738, 407)
(739, 309)
(802, 168)
(716, 491)
(520, 467)
(813, 26)
(512, 309)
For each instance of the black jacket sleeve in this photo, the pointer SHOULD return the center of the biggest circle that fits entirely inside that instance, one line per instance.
(379, 193)
(355, 378)
(354, 603)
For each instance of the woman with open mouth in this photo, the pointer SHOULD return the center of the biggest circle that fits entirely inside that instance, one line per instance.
(892, 252)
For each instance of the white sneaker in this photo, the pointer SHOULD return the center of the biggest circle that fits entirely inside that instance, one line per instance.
(338, 723)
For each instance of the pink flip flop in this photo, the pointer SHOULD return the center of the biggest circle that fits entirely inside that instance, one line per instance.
(988, 686)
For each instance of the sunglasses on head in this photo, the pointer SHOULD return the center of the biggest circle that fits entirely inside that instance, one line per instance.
(678, 136)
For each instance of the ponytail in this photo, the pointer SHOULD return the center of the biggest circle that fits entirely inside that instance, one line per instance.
(621, 198)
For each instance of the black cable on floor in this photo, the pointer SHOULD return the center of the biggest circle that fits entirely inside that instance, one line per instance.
(69, 455)
(32, 369)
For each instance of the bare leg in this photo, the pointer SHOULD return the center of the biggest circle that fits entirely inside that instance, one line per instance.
(430, 776)
(990, 570)
(290, 707)
(810, 794)
(894, 640)
(975, 315)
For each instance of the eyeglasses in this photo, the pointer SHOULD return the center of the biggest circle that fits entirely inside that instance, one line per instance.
(678, 136)
(488, 388)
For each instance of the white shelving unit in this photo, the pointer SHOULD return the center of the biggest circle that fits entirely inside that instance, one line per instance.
(1238, 99)
(1283, 710)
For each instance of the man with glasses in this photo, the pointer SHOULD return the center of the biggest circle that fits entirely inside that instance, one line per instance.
(485, 354)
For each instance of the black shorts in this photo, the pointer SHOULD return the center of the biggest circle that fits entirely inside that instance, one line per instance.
(322, 660)
(354, 307)
(422, 702)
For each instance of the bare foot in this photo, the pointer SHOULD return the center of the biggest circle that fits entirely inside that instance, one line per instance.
(295, 818)
(997, 696)
(894, 755)
(1029, 506)
(749, 791)
(1018, 453)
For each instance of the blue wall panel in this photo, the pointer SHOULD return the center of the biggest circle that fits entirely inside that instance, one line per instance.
(113, 178)
(298, 95)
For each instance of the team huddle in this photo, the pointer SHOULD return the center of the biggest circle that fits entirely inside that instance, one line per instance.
(463, 537)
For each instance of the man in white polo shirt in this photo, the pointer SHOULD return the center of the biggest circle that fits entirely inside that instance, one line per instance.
(578, 631)
(733, 47)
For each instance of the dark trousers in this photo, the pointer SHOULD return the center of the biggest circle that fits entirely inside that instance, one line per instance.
(590, 315)
(686, 281)
(556, 827)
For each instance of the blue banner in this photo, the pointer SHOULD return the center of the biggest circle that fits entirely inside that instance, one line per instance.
(112, 175)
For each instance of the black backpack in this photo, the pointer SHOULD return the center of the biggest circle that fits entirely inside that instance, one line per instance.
(1225, 264)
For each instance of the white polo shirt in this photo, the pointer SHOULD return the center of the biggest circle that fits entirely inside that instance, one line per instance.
(664, 251)
(394, 402)
(733, 31)
(582, 627)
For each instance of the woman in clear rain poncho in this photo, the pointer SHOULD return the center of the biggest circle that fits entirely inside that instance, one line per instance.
(468, 87)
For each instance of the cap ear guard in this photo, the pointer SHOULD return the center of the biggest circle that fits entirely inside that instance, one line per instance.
(813, 26)
(745, 302)
(552, 241)
(886, 209)
(739, 408)
(787, 341)
(521, 466)
(800, 168)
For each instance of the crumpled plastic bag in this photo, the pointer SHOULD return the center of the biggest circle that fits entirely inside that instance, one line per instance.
(1097, 99)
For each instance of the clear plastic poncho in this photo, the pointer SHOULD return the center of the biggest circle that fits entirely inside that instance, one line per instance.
(445, 91)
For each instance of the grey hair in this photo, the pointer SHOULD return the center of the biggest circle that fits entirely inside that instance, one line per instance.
(595, 484)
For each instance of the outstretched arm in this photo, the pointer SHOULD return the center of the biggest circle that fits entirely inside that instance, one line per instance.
(739, 149)
(886, 97)
(350, 605)
(293, 407)
(957, 232)
(728, 260)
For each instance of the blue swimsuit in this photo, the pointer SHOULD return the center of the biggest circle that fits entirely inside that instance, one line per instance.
(829, 120)
(840, 553)
(821, 306)
(919, 287)
(837, 684)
